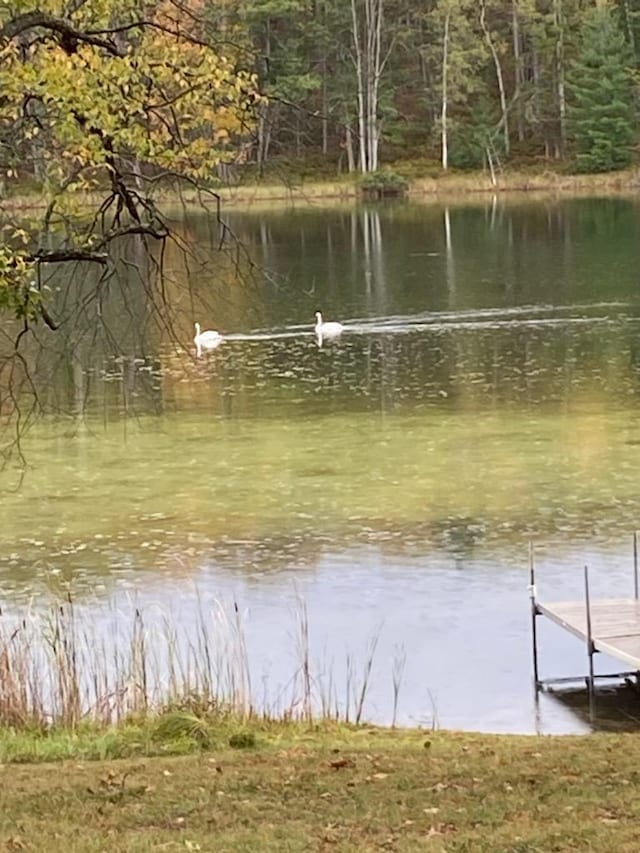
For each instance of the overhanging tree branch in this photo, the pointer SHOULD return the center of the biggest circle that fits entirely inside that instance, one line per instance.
(70, 36)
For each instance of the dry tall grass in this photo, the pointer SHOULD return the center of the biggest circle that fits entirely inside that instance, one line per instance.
(67, 664)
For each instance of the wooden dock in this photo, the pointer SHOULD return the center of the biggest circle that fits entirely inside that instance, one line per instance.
(608, 626)
(615, 625)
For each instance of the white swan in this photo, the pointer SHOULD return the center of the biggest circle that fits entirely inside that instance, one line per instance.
(327, 330)
(206, 340)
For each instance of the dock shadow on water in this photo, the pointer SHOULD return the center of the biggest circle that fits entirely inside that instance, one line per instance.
(616, 707)
(484, 393)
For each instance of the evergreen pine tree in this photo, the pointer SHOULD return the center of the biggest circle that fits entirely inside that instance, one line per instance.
(600, 94)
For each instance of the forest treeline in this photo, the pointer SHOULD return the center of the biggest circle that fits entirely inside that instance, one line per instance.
(465, 83)
(346, 85)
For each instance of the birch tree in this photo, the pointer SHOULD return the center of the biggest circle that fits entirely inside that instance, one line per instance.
(490, 39)
(457, 61)
(369, 58)
(445, 90)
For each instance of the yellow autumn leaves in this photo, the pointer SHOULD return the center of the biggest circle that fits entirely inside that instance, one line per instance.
(169, 100)
(108, 97)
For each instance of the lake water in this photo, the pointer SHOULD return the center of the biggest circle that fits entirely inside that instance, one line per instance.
(484, 394)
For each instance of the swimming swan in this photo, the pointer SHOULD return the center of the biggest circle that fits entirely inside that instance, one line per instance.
(206, 340)
(327, 330)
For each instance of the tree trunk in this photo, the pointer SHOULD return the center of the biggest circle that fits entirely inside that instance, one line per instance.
(325, 94)
(369, 63)
(560, 82)
(360, 87)
(445, 96)
(264, 135)
(517, 59)
(325, 111)
(348, 144)
(498, 67)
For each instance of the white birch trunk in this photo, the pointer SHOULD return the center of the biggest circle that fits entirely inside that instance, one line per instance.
(498, 67)
(366, 19)
(348, 143)
(445, 93)
(362, 128)
(517, 59)
(562, 101)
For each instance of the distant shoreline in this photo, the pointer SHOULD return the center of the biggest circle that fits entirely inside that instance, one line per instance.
(437, 188)
(427, 188)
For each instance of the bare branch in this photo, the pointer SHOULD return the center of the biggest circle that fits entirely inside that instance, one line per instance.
(63, 256)
(70, 35)
(148, 230)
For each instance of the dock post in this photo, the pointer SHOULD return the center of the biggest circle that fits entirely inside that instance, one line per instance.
(534, 614)
(635, 564)
(590, 648)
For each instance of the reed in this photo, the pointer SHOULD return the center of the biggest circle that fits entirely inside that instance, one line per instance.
(69, 665)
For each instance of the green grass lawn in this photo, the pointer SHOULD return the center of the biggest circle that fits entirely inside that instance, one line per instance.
(334, 789)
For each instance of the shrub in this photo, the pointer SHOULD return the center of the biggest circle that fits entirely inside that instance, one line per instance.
(382, 183)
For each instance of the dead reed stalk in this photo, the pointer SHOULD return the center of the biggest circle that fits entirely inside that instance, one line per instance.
(71, 664)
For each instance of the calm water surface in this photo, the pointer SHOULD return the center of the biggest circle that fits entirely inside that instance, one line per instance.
(484, 394)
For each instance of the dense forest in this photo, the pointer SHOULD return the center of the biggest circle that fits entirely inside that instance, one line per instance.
(464, 83)
(349, 84)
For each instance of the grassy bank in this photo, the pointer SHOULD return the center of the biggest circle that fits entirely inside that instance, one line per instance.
(156, 742)
(339, 789)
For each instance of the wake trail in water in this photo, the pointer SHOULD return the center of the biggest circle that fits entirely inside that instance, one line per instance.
(482, 318)
(266, 335)
(526, 311)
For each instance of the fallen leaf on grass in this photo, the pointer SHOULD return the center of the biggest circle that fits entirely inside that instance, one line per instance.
(376, 777)
(340, 763)
(440, 829)
(331, 833)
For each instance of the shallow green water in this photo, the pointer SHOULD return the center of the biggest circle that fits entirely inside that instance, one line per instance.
(484, 393)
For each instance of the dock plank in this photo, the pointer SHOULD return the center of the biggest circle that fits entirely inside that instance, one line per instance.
(615, 625)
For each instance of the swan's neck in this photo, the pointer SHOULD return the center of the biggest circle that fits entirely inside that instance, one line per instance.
(318, 322)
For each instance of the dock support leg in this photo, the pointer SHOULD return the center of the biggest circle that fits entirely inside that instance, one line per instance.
(534, 614)
(590, 648)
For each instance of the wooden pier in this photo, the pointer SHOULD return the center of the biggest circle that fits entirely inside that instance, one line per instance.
(609, 626)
